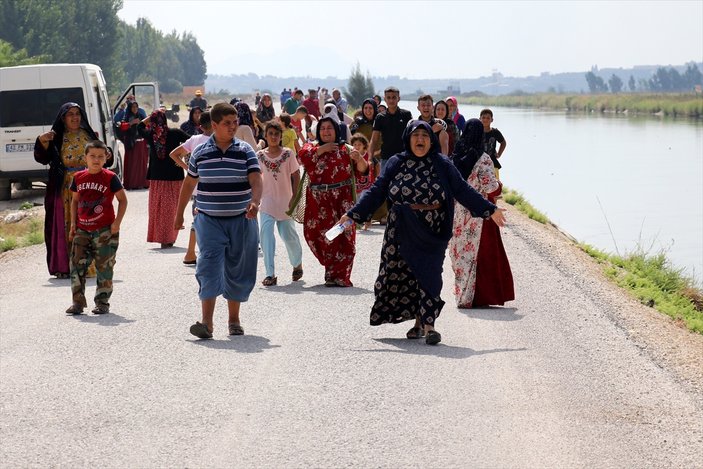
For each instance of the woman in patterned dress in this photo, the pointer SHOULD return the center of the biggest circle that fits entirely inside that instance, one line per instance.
(62, 148)
(421, 186)
(480, 264)
(164, 175)
(329, 195)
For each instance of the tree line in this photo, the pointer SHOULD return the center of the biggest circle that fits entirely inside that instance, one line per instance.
(89, 31)
(663, 80)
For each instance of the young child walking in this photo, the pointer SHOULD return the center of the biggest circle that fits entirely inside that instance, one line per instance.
(281, 175)
(95, 228)
(289, 139)
(180, 156)
(228, 177)
(361, 159)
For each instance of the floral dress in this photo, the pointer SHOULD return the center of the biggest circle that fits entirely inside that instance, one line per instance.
(464, 245)
(399, 296)
(73, 158)
(329, 195)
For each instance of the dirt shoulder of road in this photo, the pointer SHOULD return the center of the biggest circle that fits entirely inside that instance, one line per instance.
(669, 345)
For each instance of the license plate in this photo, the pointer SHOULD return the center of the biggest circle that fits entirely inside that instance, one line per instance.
(19, 147)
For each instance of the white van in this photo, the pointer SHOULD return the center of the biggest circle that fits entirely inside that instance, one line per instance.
(30, 97)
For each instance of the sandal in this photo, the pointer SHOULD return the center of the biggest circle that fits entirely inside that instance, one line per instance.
(297, 273)
(269, 281)
(236, 329)
(200, 331)
(193, 262)
(433, 338)
(75, 309)
(415, 333)
(101, 309)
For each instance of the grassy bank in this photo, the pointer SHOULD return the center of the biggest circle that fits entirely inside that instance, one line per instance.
(650, 278)
(673, 105)
(26, 232)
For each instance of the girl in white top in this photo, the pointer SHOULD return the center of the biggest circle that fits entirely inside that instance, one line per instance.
(281, 175)
(180, 156)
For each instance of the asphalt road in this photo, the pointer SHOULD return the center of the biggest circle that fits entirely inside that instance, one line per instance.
(551, 380)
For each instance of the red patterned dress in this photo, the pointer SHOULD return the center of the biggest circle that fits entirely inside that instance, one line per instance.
(329, 196)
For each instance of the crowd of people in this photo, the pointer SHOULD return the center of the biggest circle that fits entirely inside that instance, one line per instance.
(432, 181)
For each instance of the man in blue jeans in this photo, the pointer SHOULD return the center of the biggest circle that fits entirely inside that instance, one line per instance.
(226, 171)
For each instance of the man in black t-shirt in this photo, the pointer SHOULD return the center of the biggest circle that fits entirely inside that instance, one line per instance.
(491, 137)
(389, 127)
(426, 108)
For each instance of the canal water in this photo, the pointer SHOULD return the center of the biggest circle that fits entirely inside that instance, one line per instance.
(618, 183)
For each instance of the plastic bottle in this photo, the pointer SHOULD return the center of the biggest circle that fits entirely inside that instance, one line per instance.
(337, 230)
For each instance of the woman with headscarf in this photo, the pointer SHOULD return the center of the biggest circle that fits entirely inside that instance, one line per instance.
(441, 111)
(421, 186)
(264, 113)
(458, 119)
(63, 149)
(192, 125)
(164, 175)
(331, 112)
(481, 267)
(136, 152)
(329, 195)
(364, 124)
(246, 129)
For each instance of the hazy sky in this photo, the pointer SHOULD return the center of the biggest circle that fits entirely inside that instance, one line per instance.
(430, 39)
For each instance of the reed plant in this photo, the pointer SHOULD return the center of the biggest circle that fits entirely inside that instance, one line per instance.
(665, 104)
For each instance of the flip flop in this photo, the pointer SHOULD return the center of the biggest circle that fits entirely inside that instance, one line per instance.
(200, 331)
(193, 262)
(415, 333)
(269, 281)
(433, 338)
(236, 329)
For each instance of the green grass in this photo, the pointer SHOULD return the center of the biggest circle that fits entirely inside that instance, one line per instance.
(516, 199)
(655, 283)
(26, 232)
(667, 104)
(650, 278)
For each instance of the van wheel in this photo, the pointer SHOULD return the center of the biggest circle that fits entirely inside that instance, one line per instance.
(5, 189)
(118, 165)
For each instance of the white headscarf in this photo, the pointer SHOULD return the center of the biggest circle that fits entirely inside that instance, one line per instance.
(331, 112)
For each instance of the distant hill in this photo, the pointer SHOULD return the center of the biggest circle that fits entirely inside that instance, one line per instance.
(496, 84)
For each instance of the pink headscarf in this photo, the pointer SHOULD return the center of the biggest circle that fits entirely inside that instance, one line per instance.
(455, 116)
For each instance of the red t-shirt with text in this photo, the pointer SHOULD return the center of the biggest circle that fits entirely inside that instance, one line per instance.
(95, 194)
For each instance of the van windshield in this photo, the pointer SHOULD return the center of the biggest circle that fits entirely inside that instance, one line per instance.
(23, 108)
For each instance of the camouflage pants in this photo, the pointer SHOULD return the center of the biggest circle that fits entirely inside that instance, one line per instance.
(101, 246)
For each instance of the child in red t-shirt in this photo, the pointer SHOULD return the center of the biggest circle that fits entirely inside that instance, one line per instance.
(94, 227)
(364, 180)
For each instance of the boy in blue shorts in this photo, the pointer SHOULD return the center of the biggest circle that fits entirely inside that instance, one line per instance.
(226, 171)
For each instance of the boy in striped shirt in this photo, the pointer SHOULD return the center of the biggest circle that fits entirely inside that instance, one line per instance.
(226, 171)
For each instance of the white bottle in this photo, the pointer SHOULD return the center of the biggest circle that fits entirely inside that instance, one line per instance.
(337, 230)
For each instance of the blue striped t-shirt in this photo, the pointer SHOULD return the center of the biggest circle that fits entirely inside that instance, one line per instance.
(223, 183)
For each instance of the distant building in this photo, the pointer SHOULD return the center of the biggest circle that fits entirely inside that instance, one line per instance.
(452, 90)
